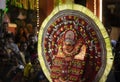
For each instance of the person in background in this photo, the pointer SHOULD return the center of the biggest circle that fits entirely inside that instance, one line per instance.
(25, 55)
(22, 33)
(29, 28)
(5, 30)
(10, 44)
(36, 73)
(114, 36)
(15, 72)
(26, 72)
(32, 47)
(116, 63)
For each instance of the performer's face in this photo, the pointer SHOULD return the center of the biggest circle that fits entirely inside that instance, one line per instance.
(67, 47)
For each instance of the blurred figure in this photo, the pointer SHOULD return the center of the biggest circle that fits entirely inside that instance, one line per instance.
(25, 55)
(26, 72)
(15, 72)
(32, 47)
(36, 73)
(5, 30)
(117, 61)
(22, 33)
(114, 35)
(10, 44)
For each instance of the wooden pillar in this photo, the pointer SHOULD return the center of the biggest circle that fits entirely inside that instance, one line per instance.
(45, 8)
(50, 6)
(94, 6)
(98, 8)
(90, 5)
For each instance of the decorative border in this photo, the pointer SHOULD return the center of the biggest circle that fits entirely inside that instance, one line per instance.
(87, 12)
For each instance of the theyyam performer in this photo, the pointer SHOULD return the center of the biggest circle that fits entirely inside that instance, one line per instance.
(73, 46)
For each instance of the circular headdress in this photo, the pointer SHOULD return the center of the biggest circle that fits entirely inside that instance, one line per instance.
(75, 21)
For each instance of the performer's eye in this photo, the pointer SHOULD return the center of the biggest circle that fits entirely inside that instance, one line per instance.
(68, 44)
